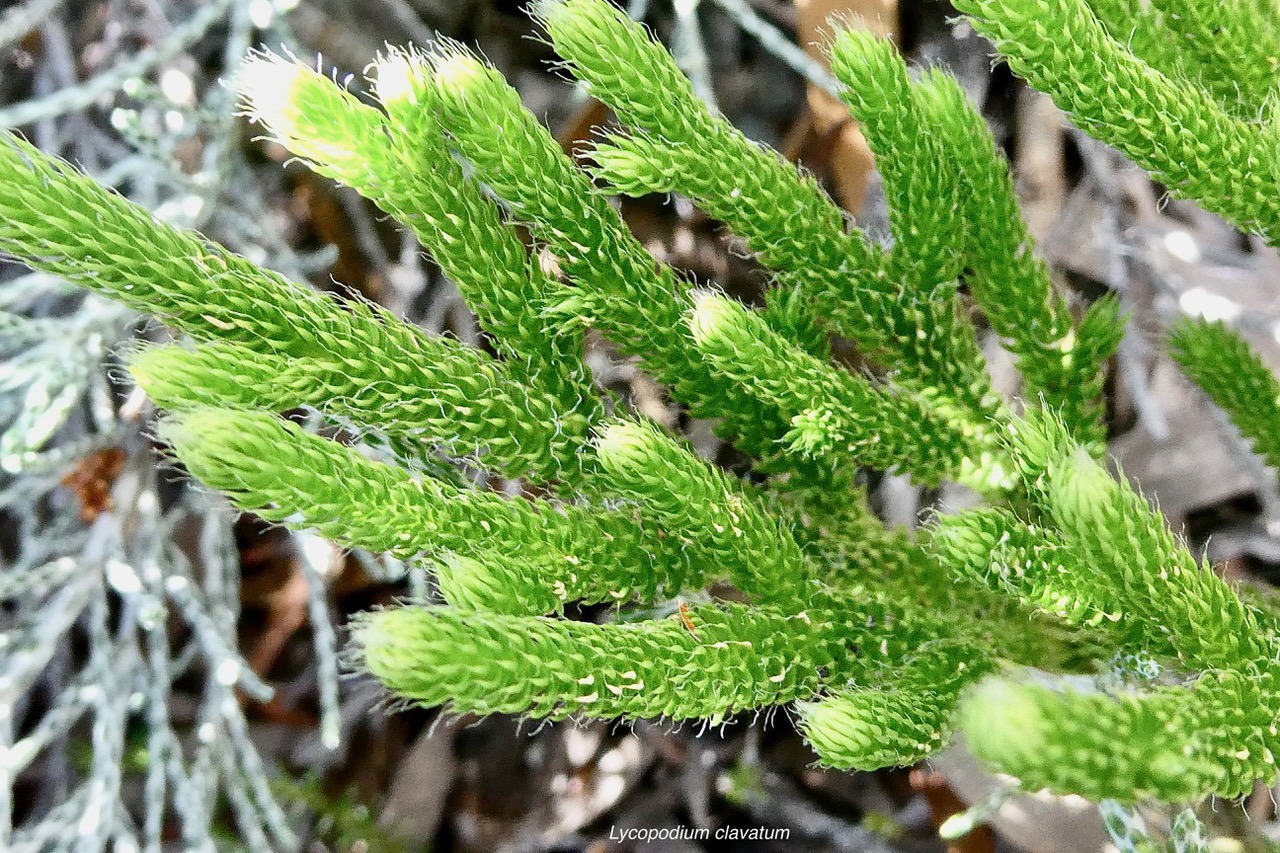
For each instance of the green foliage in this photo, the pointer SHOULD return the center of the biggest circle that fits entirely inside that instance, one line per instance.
(1190, 137)
(880, 639)
(1170, 743)
(708, 661)
(792, 226)
(1230, 49)
(562, 554)
(398, 160)
(874, 726)
(1219, 360)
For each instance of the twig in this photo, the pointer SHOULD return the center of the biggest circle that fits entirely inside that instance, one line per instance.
(776, 42)
(322, 635)
(113, 79)
(24, 18)
(690, 52)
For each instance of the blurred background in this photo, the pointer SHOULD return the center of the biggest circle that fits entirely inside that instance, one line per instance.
(170, 670)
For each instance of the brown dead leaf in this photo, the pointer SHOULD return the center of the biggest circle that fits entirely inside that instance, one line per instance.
(849, 156)
(580, 128)
(90, 481)
(315, 203)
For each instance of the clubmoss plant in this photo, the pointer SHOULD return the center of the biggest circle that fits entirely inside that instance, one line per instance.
(880, 640)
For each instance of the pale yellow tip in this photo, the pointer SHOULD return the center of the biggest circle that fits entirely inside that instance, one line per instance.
(397, 76)
(457, 71)
(710, 316)
(623, 442)
(267, 83)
